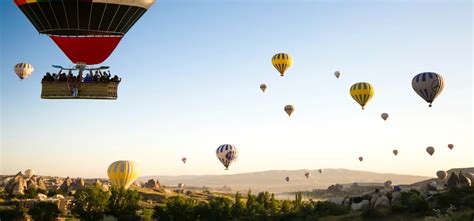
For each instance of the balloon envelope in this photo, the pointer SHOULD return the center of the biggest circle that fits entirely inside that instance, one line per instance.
(337, 74)
(289, 110)
(87, 31)
(184, 159)
(263, 87)
(430, 150)
(282, 61)
(384, 116)
(123, 173)
(441, 174)
(320, 170)
(428, 85)
(29, 173)
(395, 152)
(450, 146)
(361, 159)
(307, 174)
(362, 92)
(387, 183)
(227, 153)
(23, 70)
(287, 179)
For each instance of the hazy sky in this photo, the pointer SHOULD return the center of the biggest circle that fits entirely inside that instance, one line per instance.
(191, 73)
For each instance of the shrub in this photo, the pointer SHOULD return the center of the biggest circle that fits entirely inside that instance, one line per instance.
(375, 213)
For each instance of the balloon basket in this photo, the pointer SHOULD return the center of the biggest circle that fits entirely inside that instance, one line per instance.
(86, 90)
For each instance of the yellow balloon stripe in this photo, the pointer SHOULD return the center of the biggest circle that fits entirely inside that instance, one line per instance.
(123, 173)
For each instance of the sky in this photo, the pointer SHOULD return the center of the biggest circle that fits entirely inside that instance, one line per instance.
(191, 73)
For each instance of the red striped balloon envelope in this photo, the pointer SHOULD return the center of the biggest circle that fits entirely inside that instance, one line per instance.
(87, 31)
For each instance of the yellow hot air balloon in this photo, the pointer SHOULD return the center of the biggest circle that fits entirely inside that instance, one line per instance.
(23, 70)
(123, 173)
(362, 92)
(282, 61)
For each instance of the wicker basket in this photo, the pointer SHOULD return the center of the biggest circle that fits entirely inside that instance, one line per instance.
(87, 90)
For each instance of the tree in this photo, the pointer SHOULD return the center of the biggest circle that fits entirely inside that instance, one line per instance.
(90, 203)
(11, 214)
(123, 204)
(44, 211)
(238, 209)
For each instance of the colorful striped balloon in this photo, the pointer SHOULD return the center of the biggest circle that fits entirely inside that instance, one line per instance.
(282, 61)
(23, 70)
(227, 153)
(123, 173)
(428, 85)
(362, 92)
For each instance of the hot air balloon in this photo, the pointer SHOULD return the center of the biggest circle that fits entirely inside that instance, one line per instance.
(361, 159)
(430, 150)
(337, 74)
(123, 173)
(428, 85)
(450, 146)
(287, 179)
(384, 116)
(227, 153)
(362, 92)
(307, 174)
(395, 152)
(29, 173)
(441, 174)
(282, 61)
(320, 170)
(387, 184)
(86, 31)
(289, 109)
(263, 87)
(23, 70)
(184, 159)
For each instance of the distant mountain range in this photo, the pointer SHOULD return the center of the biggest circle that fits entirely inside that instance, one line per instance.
(274, 180)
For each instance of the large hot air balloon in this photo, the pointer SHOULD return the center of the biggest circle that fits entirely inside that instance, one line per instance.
(430, 150)
(227, 153)
(384, 116)
(287, 179)
(361, 159)
(450, 146)
(29, 173)
(23, 70)
(289, 109)
(307, 174)
(263, 87)
(184, 159)
(428, 85)
(395, 152)
(87, 31)
(123, 173)
(362, 92)
(337, 74)
(282, 61)
(387, 184)
(441, 174)
(320, 170)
